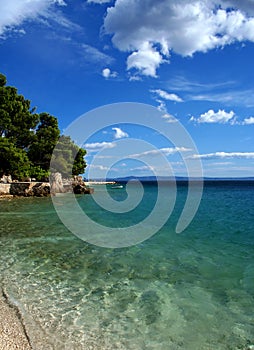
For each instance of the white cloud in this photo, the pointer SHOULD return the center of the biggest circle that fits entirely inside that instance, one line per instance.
(97, 167)
(246, 5)
(225, 92)
(99, 1)
(119, 133)
(248, 121)
(97, 146)
(134, 78)
(96, 55)
(167, 96)
(166, 115)
(146, 59)
(143, 168)
(221, 117)
(107, 73)
(166, 151)
(222, 155)
(153, 28)
(229, 97)
(14, 12)
(169, 118)
(180, 83)
(219, 164)
(162, 106)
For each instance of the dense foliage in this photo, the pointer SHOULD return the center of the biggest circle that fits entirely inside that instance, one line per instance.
(27, 140)
(64, 153)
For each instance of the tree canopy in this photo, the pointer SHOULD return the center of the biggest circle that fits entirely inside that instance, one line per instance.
(63, 157)
(27, 140)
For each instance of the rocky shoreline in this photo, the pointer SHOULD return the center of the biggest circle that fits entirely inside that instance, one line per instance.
(39, 189)
(25, 189)
(13, 333)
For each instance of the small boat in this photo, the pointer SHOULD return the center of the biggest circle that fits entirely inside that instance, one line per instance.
(116, 187)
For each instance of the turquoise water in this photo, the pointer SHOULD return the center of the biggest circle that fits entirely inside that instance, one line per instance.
(193, 290)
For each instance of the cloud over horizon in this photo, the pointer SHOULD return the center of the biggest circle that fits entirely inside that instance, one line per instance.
(222, 155)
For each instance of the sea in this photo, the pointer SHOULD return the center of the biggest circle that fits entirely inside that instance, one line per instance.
(192, 290)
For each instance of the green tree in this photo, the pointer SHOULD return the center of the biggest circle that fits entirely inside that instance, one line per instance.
(43, 141)
(17, 121)
(68, 158)
(79, 162)
(2, 80)
(27, 140)
(13, 160)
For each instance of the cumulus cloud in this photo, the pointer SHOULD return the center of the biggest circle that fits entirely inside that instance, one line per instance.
(245, 5)
(97, 146)
(221, 117)
(119, 133)
(167, 96)
(146, 59)
(154, 28)
(107, 73)
(222, 155)
(248, 121)
(14, 12)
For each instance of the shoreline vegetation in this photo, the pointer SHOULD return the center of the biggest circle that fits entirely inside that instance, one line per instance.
(31, 144)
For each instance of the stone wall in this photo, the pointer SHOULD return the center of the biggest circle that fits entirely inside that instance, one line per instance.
(25, 189)
(5, 189)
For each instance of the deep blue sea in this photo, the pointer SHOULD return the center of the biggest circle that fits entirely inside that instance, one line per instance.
(191, 291)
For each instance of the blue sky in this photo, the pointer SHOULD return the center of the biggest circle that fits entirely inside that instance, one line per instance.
(192, 60)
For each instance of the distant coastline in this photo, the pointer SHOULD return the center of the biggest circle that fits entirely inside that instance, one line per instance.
(170, 179)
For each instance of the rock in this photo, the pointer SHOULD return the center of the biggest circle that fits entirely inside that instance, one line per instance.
(81, 189)
(56, 183)
(4, 189)
(41, 189)
(26, 179)
(25, 189)
(21, 189)
(79, 186)
(6, 179)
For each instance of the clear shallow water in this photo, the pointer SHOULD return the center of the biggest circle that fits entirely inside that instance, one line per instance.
(194, 290)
